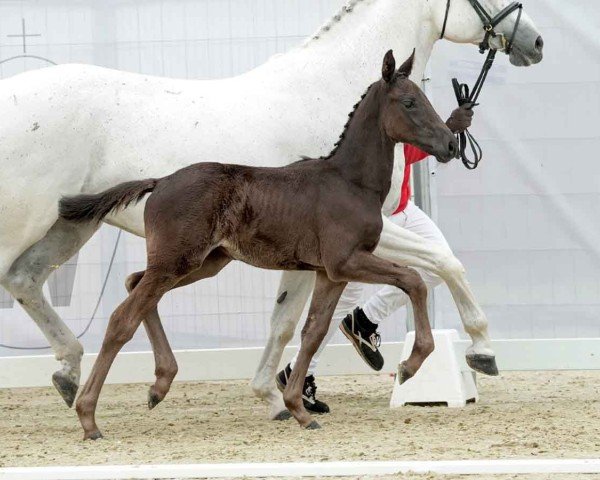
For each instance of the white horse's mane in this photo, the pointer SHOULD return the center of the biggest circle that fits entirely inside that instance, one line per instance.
(346, 9)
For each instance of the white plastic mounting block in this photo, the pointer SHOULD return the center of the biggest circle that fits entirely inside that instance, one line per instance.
(440, 378)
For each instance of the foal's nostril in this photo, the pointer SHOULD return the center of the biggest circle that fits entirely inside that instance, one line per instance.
(539, 44)
(452, 148)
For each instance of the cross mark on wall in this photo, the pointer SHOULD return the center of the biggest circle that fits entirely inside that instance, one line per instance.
(24, 35)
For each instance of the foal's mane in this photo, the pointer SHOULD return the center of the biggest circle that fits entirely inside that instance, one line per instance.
(337, 144)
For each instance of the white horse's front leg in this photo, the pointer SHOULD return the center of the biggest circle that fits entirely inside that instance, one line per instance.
(294, 290)
(408, 249)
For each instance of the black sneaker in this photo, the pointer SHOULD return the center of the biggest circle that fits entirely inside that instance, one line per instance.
(363, 335)
(308, 393)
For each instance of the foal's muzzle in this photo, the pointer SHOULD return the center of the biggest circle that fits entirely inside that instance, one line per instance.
(449, 152)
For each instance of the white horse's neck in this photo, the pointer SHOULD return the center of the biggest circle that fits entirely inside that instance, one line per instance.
(342, 59)
(346, 51)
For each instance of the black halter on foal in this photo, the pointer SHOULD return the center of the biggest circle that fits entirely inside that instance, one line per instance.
(461, 90)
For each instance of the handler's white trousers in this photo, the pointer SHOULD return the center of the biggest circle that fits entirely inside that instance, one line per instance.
(388, 299)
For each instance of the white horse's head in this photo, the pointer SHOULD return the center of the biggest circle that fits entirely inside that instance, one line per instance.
(465, 26)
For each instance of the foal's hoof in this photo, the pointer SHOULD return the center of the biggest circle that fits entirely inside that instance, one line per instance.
(403, 373)
(283, 415)
(153, 399)
(65, 386)
(93, 436)
(485, 364)
(313, 425)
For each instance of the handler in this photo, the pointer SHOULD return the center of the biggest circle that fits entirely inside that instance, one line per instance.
(360, 326)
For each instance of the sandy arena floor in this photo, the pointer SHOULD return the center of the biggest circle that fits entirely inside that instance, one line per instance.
(525, 415)
(432, 476)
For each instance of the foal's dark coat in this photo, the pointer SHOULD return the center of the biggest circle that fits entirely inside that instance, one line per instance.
(317, 214)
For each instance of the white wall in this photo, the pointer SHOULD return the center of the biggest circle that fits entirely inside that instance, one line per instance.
(526, 223)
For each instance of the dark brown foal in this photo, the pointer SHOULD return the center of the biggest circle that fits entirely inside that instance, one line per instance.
(317, 214)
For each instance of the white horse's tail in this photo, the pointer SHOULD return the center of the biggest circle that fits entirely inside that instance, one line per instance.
(88, 208)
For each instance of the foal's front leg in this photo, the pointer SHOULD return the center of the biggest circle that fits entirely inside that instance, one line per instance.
(324, 300)
(365, 267)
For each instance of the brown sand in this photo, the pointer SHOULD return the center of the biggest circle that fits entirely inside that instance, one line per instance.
(520, 415)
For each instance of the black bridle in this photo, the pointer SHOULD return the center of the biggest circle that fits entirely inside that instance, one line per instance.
(467, 97)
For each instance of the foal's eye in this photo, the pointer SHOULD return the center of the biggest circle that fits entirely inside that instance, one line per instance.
(408, 103)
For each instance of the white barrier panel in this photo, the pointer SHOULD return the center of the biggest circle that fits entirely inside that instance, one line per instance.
(240, 363)
(329, 469)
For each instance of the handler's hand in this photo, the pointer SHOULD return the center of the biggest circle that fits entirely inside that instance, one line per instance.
(460, 119)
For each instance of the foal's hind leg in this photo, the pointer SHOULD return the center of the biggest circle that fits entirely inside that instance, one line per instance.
(165, 367)
(123, 323)
(25, 280)
(165, 362)
(325, 297)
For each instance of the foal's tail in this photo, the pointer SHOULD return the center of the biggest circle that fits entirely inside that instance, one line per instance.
(87, 208)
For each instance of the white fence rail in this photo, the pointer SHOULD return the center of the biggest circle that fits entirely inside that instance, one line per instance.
(240, 363)
(324, 469)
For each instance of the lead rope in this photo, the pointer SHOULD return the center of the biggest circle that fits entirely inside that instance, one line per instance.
(468, 98)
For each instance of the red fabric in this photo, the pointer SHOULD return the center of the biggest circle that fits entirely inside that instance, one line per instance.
(411, 155)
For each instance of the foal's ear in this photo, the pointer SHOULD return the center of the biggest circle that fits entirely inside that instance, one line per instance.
(406, 68)
(389, 66)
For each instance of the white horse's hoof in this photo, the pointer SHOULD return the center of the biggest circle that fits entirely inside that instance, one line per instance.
(66, 386)
(283, 415)
(485, 364)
